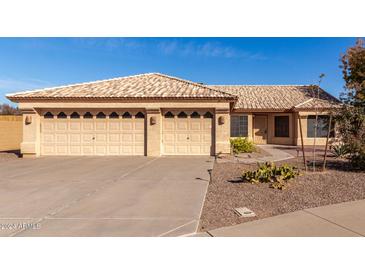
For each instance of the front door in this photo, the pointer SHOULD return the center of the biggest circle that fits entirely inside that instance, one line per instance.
(260, 129)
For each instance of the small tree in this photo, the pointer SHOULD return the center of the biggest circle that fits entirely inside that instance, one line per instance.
(350, 118)
(6, 109)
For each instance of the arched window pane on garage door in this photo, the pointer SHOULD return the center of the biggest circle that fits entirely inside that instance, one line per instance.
(75, 115)
(195, 115)
(48, 115)
(61, 115)
(139, 115)
(126, 115)
(113, 115)
(182, 115)
(101, 115)
(88, 115)
(208, 115)
(169, 115)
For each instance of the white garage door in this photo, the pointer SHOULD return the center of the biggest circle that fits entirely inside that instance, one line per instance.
(84, 133)
(187, 133)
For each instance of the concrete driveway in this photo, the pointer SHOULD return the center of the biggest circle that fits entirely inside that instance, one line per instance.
(102, 196)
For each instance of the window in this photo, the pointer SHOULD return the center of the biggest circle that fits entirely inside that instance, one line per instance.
(169, 115)
(139, 115)
(208, 115)
(101, 115)
(61, 115)
(113, 115)
(75, 115)
(195, 115)
(281, 126)
(48, 115)
(239, 126)
(322, 128)
(182, 115)
(126, 115)
(88, 115)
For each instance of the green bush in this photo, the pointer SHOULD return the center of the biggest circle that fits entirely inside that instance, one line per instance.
(341, 150)
(270, 173)
(242, 145)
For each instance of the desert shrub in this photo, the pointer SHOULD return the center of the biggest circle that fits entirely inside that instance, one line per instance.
(358, 161)
(277, 177)
(341, 150)
(242, 145)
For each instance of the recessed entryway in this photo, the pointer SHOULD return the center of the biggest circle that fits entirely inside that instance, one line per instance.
(260, 129)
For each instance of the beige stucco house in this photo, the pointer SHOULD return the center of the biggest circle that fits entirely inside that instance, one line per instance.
(155, 114)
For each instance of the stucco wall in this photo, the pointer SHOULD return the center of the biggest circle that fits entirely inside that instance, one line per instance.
(11, 132)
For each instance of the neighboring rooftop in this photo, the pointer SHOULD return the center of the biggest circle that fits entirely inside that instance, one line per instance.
(278, 97)
(150, 85)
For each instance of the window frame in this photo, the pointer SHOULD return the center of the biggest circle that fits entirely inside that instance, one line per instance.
(322, 130)
(240, 132)
(278, 132)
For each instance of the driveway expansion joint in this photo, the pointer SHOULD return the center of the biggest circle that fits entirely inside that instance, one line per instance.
(324, 219)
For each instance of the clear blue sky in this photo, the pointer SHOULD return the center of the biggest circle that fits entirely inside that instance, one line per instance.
(29, 63)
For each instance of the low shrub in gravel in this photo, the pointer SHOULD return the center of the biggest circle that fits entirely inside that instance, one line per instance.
(242, 145)
(277, 177)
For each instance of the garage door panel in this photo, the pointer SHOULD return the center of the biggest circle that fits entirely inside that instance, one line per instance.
(61, 138)
(127, 138)
(48, 126)
(61, 149)
(195, 124)
(113, 149)
(195, 150)
(100, 150)
(182, 137)
(195, 137)
(93, 136)
(88, 137)
(61, 125)
(182, 124)
(114, 137)
(100, 126)
(100, 137)
(139, 150)
(88, 125)
(75, 150)
(182, 149)
(88, 150)
(139, 137)
(48, 149)
(114, 126)
(139, 124)
(186, 136)
(168, 124)
(48, 138)
(127, 125)
(75, 126)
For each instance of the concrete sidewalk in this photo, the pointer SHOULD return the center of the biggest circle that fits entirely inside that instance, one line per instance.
(339, 220)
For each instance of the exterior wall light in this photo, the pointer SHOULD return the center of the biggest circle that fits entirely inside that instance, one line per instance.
(221, 120)
(28, 120)
(153, 120)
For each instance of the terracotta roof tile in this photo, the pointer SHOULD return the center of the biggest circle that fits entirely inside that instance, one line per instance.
(278, 97)
(151, 85)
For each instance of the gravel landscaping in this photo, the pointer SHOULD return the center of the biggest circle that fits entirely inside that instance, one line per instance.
(226, 192)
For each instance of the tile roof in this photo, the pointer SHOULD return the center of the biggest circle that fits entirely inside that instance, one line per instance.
(150, 85)
(278, 97)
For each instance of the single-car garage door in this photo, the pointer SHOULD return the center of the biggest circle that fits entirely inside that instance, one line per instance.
(187, 133)
(89, 133)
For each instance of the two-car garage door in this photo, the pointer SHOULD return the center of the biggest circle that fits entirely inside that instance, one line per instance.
(83, 132)
(86, 133)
